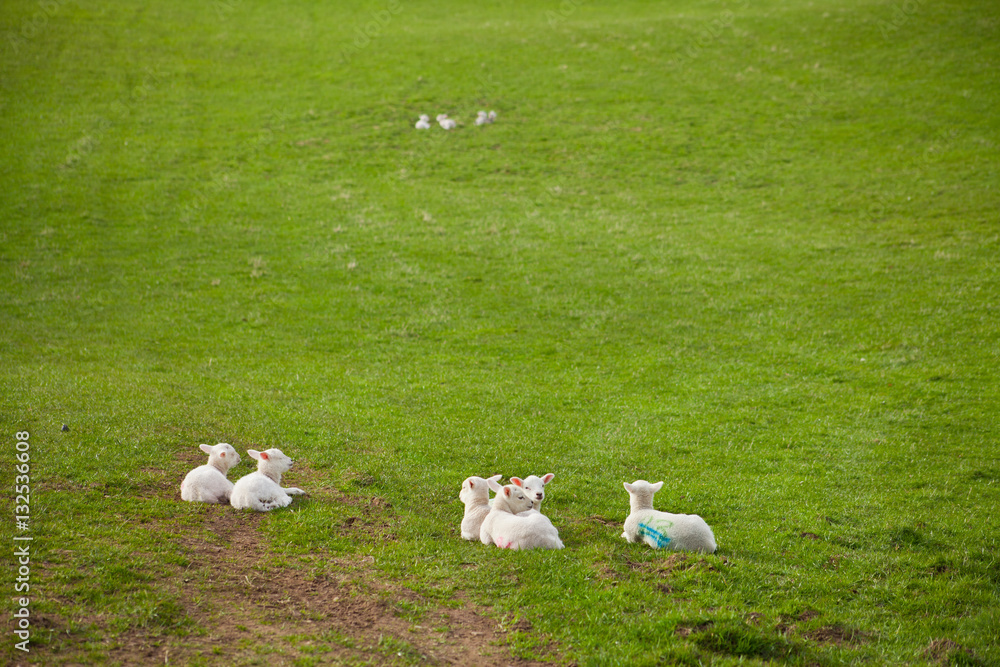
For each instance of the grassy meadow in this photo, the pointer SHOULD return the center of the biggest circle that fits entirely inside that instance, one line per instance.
(750, 249)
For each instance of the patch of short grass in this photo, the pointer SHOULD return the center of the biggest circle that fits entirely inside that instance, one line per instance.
(748, 249)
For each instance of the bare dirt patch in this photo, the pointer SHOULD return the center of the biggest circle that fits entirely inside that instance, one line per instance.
(942, 651)
(836, 634)
(245, 610)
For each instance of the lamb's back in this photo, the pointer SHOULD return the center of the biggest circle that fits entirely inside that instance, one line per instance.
(259, 492)
(206, 484)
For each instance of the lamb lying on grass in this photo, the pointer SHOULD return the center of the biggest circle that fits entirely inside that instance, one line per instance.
(475, 494)
(208, 483)
(510, 525)
(660, 530)
(445, 122)
(534, 487)
(261, 490)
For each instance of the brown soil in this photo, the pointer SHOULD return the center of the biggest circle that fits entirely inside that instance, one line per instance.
(247, 606)
(347, 615)
(941, 651)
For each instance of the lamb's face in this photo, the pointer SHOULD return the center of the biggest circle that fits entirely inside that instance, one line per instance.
(534, 486)
(517, 499)
(226, 454)
(273, 460)
(473, 488)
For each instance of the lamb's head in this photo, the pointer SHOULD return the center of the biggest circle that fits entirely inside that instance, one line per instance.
(476, 490)
(534, 486)
(510, 498)
(640, 494)
(272, 463)
(221, 456)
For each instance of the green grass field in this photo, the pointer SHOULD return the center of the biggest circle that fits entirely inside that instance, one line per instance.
(747, 248)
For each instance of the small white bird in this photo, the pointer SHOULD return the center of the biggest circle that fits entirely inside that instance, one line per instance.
(482, 118)
(445, 122)
(424, 123)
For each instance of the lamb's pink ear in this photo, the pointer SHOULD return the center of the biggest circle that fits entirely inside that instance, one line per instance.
(506, 491)
(264, 456)
(548, 478)
(472, 484)
(254, 454)
(657, 486)
(492, 483)
(222, 455)
(206, 448)
(628, 487)
(517, 481)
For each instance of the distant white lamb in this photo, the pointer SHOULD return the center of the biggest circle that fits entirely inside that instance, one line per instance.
(534, 486)
(261, 490)
(445, 122)
(483, 118)
(208, 483)
(510, 525)
(424, 123)
(475, 494)
(660, 530)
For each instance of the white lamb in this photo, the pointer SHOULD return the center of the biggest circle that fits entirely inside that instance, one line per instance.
(424, 123)
(475, 494)
(445, 122)
(261, 490)
(534, 486)
(510, 525)
(208, 483)
(660, 530)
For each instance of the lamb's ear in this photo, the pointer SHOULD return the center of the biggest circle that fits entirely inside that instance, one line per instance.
(657, 486)
(264, 456)
(495, 478)
(517, 481)
(254, 454)
(628, 487)
(548, 478)
(506, 491)
(222, 454)
(206, 448)
(492, 483)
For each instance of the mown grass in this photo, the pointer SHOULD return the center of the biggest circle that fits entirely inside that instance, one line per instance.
(749, 249)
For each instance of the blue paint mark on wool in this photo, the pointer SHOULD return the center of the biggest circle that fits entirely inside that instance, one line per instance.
(655, 538)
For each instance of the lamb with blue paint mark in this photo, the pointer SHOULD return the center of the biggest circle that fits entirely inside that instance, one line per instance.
(661, 530)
